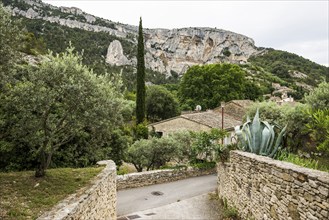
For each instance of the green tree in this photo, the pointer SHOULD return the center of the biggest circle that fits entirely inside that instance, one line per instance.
(58, 101)
(319, 97)
(295, 117)
(140, 96)
(10, 41)
(152, 153)
(319, 128)
(160, 104)
(206, 145)
(208, 85)
(33, 45)
(183, 144)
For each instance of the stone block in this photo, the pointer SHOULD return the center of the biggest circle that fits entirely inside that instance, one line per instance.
(279, 190)
(313, 183)
(324, 191)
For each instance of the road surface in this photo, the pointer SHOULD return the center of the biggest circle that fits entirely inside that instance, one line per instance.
(148, 197)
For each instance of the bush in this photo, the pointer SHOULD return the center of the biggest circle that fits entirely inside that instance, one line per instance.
(152, 153)
(319, 97)
(204, 165)
(160, 104)
(205, 145)
(304, 162)
(294, 117)
(201, 149)
(141, 131)
(319, 128)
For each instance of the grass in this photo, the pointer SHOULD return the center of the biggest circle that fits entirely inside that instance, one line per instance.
(227, 212)
(126, 168)
(317, 164)
(25, 197)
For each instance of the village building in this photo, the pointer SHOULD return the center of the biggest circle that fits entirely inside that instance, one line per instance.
(205, 121)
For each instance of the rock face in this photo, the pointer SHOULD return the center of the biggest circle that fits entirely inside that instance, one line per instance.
(178, 49)
(166, 50)
(115, 55)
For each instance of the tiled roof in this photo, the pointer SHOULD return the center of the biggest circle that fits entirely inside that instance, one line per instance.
(243, 103)
(213, 119)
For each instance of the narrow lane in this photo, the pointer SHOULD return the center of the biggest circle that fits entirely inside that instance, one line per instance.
(139, 199)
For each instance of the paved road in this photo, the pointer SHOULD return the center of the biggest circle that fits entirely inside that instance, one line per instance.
(139, 199)
(202, 207)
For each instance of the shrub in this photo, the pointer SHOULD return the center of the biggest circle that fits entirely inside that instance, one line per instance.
(319, 128)
(319, 97)
(294, 116)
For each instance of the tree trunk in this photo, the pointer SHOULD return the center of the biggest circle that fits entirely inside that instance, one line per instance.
(45, 160)
(41, 169)
(138, 168)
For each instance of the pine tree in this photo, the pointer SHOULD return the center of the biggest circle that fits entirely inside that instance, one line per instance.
(140, 99)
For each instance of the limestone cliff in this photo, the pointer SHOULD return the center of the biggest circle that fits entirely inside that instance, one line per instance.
(177, 49)
(166, 50)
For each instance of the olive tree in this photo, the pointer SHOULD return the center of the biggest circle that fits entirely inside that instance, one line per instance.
(319, 97)
(152, 153)
(58, 101)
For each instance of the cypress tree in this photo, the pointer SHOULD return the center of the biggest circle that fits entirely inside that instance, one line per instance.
(140, 96)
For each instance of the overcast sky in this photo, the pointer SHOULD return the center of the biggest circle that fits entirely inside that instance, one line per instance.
(299, 27)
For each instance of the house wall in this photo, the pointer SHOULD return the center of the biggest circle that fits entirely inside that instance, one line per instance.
(263, 188)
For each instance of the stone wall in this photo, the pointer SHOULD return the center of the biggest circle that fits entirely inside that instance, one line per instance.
(96, 202)
(263, 188)
(134, 180)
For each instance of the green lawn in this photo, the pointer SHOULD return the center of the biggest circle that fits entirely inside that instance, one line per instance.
(25, 197)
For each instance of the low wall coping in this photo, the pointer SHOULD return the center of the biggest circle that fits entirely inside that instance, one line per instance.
(68, 205)
(315, 174)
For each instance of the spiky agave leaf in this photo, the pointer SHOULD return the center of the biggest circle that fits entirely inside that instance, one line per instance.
(256, 133)
(269, 145)
(246, 135)
(266, 136)
(278, 142)
(240, 135)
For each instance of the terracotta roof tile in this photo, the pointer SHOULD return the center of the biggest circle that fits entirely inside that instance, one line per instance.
(213, 119)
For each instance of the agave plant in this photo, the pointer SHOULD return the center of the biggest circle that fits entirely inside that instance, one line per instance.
(259, 137)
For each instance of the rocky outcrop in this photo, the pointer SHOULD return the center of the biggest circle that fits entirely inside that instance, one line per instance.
(178, 49)
(166, 50)
(115, 55)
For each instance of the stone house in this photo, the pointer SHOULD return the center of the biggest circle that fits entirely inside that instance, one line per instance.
(197, 121)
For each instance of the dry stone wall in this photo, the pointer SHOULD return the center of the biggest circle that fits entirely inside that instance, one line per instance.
(96, 202)
(134, 180)
(263, 188)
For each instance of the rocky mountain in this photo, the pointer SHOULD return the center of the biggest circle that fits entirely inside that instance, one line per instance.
(111, 47)
(167, 51)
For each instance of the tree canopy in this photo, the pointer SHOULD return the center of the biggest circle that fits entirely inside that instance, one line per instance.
(319, 97)
(208, 85)
(10, 37)
(140, 96)
(58, 101)
(160, 104)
